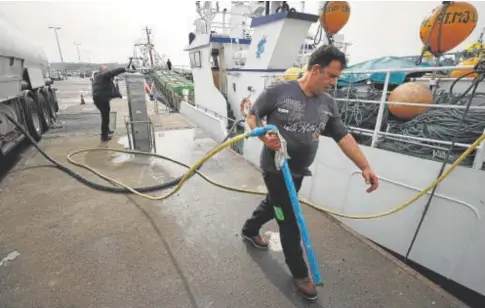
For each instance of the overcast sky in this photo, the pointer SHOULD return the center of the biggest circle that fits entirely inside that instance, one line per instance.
(107, 30)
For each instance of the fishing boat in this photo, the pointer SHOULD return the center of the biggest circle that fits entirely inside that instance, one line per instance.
(408, 139)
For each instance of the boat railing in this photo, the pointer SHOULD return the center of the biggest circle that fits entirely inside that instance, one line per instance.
(456, 56)
(377, 132)
(215, 114)
(226, 30)
(184, 69)
(220, 26)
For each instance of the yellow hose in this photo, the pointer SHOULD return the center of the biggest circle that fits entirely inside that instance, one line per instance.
(193, 169)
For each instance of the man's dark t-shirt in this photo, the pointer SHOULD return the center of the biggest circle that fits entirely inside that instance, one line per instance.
(300, 120)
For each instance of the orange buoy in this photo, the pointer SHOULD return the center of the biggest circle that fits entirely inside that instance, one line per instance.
(454, 23)
(409, 92)
(333, 16)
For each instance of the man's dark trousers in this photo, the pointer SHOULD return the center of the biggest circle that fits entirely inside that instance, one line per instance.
(277, 204)
(104, 108)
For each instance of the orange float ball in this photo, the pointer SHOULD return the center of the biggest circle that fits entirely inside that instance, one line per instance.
(454, 23)
(409, 92)
(334, 16)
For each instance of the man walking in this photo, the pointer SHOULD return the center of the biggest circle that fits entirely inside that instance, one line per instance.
(302, 111)
(103, 91)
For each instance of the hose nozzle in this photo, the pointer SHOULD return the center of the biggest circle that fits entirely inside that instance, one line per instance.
(259, 131)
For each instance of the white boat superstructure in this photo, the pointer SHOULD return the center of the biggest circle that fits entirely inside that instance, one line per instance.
(442, 231)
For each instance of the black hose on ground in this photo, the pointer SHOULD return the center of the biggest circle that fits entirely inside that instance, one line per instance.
(101, 187)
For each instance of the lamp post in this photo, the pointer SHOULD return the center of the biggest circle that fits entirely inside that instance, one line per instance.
(57, 39)
(78, 53)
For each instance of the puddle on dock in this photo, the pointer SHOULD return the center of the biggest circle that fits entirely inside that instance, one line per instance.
(175, 144)
(121, 158)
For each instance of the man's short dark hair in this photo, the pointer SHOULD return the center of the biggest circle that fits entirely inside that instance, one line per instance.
(325, 54)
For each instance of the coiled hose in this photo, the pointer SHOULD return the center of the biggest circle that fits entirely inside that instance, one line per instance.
(195, 169)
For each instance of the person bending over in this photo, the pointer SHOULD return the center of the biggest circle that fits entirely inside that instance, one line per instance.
(103, 91)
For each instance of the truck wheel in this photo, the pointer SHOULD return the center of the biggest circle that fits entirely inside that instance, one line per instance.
(44, 110)
(54, 97)
(51, 102)
(33, 118)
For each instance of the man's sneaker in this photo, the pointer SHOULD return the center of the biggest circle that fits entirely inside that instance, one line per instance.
(111, 132)
(257, 241)
(306, 287)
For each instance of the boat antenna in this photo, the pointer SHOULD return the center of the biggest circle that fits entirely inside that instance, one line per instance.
(480, 38)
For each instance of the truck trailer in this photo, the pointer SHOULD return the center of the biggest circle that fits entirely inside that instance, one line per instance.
(26, 89)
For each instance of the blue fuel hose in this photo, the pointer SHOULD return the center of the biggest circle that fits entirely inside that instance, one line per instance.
(295, 203)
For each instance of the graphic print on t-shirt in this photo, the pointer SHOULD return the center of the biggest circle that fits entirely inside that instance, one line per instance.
(292, 111)
(301, 120)
(296, 110)
(304, 127)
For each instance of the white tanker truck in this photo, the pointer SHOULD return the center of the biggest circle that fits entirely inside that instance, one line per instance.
(25, 89)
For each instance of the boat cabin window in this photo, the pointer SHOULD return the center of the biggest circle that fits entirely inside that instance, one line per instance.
(195, 59)
(215, 62)
(214, 58)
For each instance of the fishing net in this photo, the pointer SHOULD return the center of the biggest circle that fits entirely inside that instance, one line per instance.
(435, 123)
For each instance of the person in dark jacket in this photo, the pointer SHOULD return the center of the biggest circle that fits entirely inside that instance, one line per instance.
(169, 65)
(103, 92)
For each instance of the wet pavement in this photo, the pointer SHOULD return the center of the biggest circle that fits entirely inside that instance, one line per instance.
(71, 246)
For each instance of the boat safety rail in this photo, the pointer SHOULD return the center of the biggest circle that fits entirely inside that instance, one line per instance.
(225, 29)
(383, 99)
(443, 106)
(399, 138)
(455, 56)
(272, 78)
(354, 93)
(412, 69)
(185, 69)
(219, 22)
(215, 114)
(370, 133)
